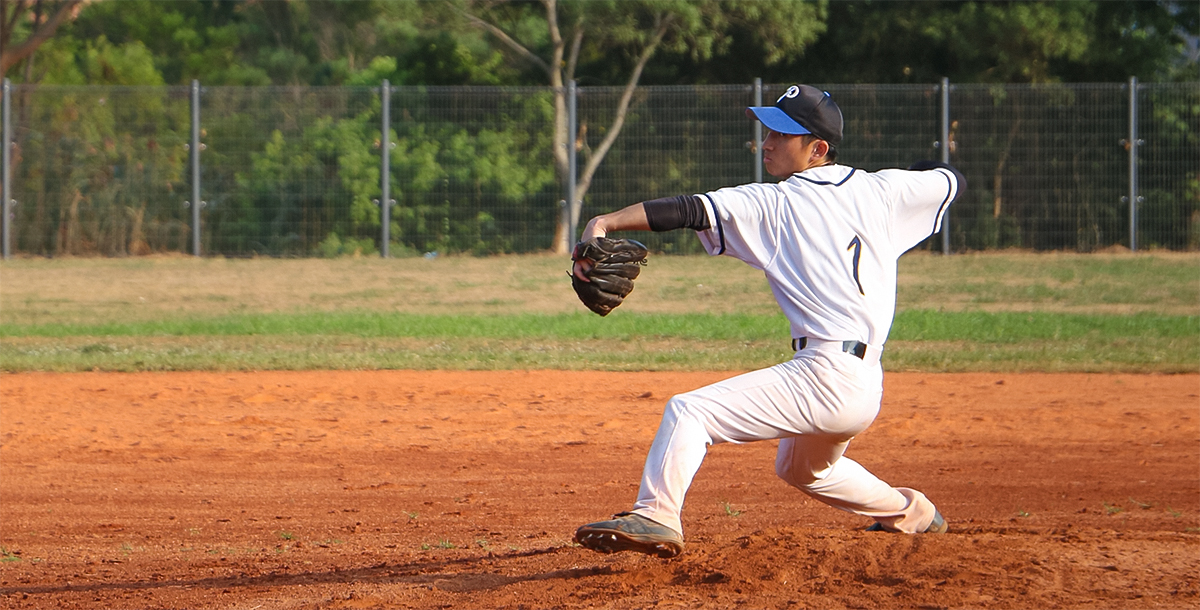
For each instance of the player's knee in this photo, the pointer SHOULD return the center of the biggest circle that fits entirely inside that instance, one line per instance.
(788, 474)
(677, 407)
(802, 480)
(796, 475)
(682, 411)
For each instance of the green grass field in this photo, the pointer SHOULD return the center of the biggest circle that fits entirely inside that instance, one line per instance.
(978, 312)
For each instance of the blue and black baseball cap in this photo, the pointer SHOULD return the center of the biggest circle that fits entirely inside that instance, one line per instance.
(802, 110)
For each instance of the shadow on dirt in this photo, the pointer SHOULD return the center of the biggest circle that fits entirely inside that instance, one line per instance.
(444, 575)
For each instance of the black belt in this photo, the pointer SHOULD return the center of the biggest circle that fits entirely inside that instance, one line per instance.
(858, 349)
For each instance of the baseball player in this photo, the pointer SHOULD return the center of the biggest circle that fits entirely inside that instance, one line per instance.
(827, 237)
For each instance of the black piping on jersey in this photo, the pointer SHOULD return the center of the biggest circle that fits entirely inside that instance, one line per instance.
(937, 223)
(958, 184)
(717, 218)
(826, 183)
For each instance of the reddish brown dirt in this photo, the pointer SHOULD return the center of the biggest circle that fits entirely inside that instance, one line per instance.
(462, 490)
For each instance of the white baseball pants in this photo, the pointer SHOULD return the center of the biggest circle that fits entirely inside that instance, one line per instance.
(815, 403)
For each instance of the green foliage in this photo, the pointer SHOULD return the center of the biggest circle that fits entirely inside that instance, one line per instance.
(283, 177)
(457, 184)
(316, 42)
(1137, 38)
(99, 61)
(278, 186)
(1013, 42)
(323, 42)
(1170, 214)
(435, 58)
(375, 73)
(994, 42)
(615, 32)
(333, 247)
(91, 184)
(1049, 176)
(315, 188)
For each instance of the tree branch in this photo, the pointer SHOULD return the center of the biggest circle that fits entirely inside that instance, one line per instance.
(10, 21)
(506, 39)
(10, 56)
(554, 71)
(576, 43)
(593, 162)
(556, 41)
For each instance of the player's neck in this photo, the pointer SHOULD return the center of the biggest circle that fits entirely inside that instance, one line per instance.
(822, 163)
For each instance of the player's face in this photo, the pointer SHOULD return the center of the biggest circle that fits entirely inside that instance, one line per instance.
(784, 155)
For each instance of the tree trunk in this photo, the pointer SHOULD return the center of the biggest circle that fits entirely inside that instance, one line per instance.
(998, 176)
(562, 149)
(68, 228)
(137, 231)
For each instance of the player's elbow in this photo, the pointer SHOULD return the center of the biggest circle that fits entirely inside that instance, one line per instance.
(959, 179)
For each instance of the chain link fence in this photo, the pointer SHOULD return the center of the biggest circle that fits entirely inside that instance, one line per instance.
(297, 171)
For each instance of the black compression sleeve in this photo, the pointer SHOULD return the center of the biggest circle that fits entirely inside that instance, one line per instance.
(679, 212)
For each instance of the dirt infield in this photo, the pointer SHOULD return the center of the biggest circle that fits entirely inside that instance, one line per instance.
(462, 489)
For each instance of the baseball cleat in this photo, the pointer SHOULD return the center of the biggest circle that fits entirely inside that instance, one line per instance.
(630, 532)
(937, 526)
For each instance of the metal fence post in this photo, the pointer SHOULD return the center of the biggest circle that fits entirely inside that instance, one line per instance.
(6, 173)
(758, 135)
(1132, 144)
(945, 146)
(385, 186)
(195, 146)
(572, 158)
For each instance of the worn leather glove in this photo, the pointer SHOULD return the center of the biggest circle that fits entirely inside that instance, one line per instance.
(612, 265)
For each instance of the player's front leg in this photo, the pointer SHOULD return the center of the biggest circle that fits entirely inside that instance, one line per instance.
(654, 526)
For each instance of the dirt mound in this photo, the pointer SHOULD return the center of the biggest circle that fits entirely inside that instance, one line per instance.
(462, 489)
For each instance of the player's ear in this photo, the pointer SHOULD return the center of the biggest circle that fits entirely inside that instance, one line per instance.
(821, 149)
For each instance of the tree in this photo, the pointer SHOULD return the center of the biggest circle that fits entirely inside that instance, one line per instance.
(26, 24)
(317, 42)
(999, 41)
(1137, 38)
(88, 183)
(563, 31)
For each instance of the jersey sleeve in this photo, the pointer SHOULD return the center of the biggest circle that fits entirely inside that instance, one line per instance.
(920, 199)
(740, 224)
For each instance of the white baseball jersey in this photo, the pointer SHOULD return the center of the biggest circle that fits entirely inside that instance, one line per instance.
(828, 240)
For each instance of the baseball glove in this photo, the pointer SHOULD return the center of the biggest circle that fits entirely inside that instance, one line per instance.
(615, 264)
